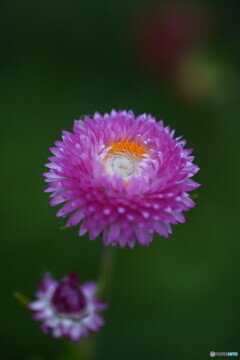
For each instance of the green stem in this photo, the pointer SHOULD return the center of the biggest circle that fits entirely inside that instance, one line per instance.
(23, 300)
(86, 349)
(106, 271)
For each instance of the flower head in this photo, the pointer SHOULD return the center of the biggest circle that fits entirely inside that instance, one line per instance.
(122, 177)
(66, 308)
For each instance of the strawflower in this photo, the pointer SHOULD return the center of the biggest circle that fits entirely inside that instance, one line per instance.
(122, 177)
(66, 308)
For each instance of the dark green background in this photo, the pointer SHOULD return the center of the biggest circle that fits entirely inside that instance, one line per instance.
(178, 299)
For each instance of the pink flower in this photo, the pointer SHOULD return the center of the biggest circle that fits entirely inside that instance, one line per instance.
(66, 308)
(164, 32)
(122, 177)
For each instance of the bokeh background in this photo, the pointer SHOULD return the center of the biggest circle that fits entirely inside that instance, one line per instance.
(178, 60)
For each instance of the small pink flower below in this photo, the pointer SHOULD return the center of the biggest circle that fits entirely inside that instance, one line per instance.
(66, 308)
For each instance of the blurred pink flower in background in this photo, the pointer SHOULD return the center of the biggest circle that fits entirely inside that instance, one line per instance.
(67, 308)
(164, 32)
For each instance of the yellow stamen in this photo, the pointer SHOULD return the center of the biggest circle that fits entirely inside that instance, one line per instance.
(123, 157)
(128, 148)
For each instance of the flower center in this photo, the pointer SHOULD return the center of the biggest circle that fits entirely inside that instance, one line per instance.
(68, 298)
(123, 157)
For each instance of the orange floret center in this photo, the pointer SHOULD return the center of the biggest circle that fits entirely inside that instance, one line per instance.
(127, 148)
